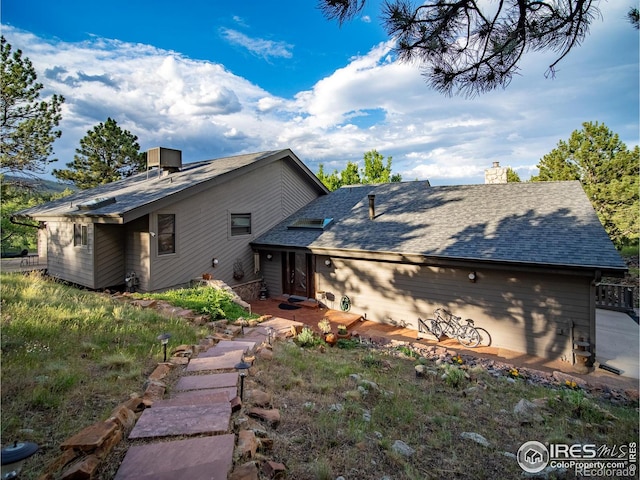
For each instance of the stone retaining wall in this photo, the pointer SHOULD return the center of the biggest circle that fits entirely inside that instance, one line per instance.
(248, 291)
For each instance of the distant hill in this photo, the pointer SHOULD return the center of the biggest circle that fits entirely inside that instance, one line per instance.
(45, 186)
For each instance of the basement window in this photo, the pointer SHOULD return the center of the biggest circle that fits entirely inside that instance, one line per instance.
(310, 223)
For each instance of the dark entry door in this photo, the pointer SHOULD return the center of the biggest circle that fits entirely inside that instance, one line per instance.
(297, 274)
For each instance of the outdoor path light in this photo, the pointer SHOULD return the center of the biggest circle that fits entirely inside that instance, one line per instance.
(243, 370)
(164, 339)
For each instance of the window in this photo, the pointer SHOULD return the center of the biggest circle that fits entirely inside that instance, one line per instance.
(240, 224)
(166, 233)
(80, 235)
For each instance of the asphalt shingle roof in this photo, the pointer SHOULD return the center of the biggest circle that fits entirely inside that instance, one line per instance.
(548, 223)
(145, 188)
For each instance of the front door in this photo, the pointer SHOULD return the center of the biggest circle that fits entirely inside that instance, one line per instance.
(297, 274)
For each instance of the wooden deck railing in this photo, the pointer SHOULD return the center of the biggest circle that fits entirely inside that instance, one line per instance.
(614, 297)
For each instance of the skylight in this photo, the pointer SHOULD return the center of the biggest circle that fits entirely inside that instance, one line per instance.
(96, 203)
(310, 223)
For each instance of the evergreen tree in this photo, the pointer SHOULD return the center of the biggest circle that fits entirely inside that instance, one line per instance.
(106, 154)
(472, 47)
(512, 176)
(28, 127)
(608, 171)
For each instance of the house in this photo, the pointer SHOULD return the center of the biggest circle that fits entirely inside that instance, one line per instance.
(171, 224)
(520, 259)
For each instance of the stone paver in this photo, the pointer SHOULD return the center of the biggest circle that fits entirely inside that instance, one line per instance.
(183, 420)
(201, 405)
(201, 382)
(235, 345)
(197, 458)
(227, 360)
(194, 397)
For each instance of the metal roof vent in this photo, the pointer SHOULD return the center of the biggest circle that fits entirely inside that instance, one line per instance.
(96, 203)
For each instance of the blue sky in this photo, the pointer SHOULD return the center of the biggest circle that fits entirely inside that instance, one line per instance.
(216, 78)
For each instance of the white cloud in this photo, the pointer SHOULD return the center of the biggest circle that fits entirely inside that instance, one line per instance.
(371, 102)
(257, 46)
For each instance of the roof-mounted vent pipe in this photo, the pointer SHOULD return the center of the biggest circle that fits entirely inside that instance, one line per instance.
(372, 207)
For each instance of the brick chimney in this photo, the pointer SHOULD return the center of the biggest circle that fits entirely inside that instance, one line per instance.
(495, 174)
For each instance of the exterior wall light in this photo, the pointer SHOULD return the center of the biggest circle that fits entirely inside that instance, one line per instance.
(269, 257)
(473, 277)
(214, 262)
(327, 262)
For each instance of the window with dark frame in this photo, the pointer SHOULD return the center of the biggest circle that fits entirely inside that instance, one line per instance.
(166, 233)
(80, 235)
(240, 224)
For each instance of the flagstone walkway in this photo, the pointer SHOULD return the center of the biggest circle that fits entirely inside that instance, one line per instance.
(200, 407)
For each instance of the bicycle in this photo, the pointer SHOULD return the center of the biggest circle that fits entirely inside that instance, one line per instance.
(449, 324)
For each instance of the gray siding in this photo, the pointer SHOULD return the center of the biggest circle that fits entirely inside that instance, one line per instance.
(73, 264)
(269, 194)
(524, 312)
(137, 251)
(272, 272)
(110, 255)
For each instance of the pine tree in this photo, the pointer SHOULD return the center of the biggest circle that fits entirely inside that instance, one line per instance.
(608, 171)
(106, 154)
(28, 127)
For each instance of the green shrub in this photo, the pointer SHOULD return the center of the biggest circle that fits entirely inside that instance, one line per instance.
(206, 300)
(453, 376)
(348, 343)
(306, 338)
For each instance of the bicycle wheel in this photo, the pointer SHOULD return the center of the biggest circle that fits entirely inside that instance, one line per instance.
(468, 336)
(436, 329)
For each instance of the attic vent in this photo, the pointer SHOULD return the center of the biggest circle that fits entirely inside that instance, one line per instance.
(96, 203)
(311, 223)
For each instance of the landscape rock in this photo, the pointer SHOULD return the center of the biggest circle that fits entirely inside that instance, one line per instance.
(154, 391)
(92, 437)
(527, 412)
(247, 444)
(124, 417)
(161, 371)
(476, 437)
(236, 404)
(83, 469)
(265, 354)
(402, 448)
(272, 417)
(259, 398)
(273, 469)
(246, 471)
